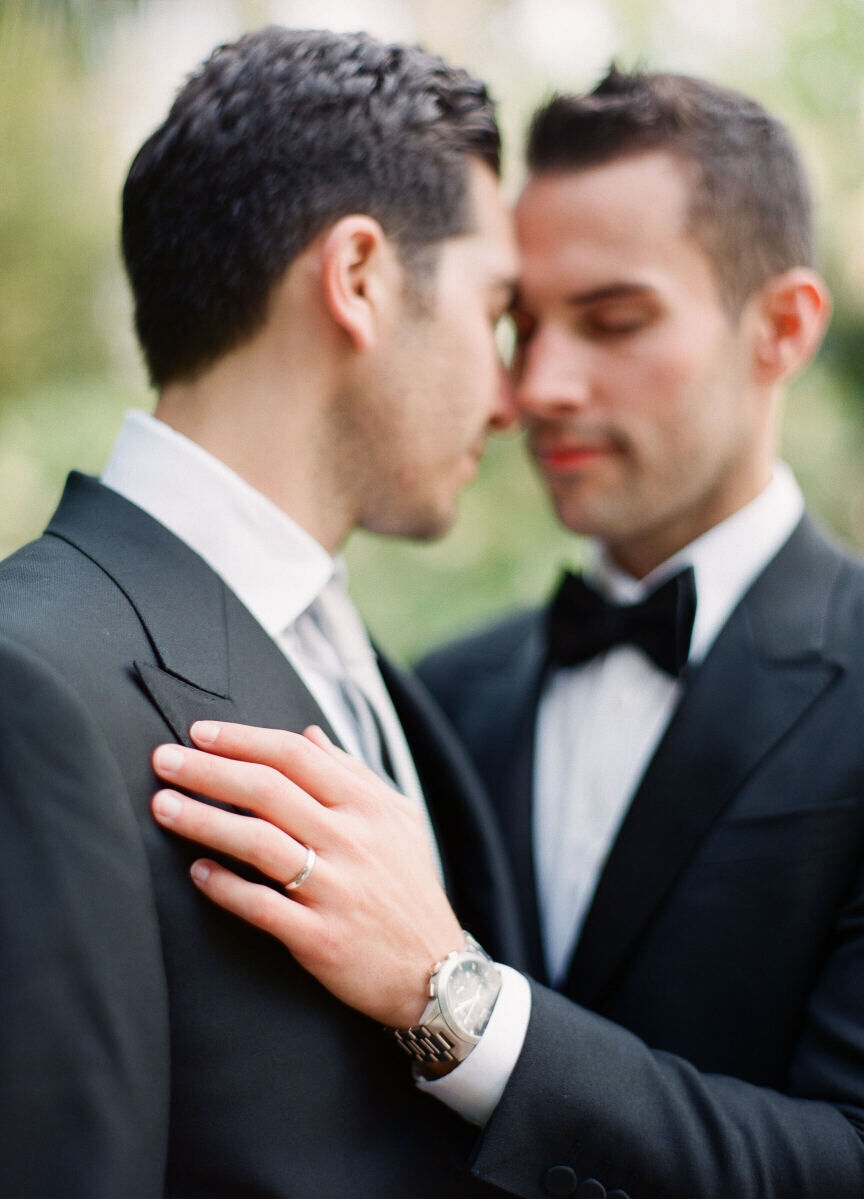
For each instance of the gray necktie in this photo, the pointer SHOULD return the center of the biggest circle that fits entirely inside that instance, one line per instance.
(365, 694)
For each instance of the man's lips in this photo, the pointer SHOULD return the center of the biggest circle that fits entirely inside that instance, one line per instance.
(572, 456)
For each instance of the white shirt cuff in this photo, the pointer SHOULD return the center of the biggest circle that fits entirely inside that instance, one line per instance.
(474, 1088)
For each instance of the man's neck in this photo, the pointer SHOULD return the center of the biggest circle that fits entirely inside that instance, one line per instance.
(641, 555)
(271, 441)
(726, 558)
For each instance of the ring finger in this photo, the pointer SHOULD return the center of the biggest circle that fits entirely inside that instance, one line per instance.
(270, 850)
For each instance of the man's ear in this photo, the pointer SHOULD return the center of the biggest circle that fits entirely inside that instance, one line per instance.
(358, 271)
(792, 312)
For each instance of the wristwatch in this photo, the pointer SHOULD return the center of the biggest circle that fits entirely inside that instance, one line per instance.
(463, 988)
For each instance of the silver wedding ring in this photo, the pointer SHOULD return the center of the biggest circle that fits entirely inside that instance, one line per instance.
(308, 866)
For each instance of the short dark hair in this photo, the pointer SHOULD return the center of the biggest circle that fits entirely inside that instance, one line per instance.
(271, 140)
(750, 207)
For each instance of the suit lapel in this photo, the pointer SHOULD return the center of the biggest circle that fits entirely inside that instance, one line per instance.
(513, 799)
(212, 659)
(765, 670)
(475, 863)
(182, 703)
(497, 717)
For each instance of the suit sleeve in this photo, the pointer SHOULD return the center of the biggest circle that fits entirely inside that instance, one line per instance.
(590, 1097)
(83, 1010)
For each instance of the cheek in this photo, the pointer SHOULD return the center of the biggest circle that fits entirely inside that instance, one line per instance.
(669, 385)
(472, 346)
(702, 426)
(660, 417)
(670, 373)
(471, 367)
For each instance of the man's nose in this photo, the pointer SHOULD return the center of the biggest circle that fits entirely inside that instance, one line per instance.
(550, 376)
(504, 414)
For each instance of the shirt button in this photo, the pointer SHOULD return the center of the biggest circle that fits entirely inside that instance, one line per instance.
(560, 1180)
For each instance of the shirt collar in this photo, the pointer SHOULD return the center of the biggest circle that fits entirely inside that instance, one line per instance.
(273, 565)
(725, 560)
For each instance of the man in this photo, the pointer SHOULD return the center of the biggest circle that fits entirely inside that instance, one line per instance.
(683, 798)
(318, 255)
(687, 838)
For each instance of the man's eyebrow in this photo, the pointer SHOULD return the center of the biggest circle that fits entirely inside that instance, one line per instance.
(610, 291)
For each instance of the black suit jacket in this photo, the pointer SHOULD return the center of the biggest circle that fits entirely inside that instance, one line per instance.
(152, 1044)
(710, 1039)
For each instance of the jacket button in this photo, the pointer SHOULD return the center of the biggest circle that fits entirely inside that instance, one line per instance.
(560, 1180)
(590, 1188)
(617, 1195)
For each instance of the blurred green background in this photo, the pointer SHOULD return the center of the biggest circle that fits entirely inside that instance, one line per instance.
(82, 82)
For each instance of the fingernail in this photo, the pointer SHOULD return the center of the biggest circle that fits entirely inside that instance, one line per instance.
(319, 733)
(169, 759)
(166, 805)
(205, 732)
(200, 872)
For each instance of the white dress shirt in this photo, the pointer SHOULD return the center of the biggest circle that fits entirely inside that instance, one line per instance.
(600, 722)
(278, 571)
(271, 564)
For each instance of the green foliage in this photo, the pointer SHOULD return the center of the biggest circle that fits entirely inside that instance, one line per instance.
(53, 233)
(44, 433)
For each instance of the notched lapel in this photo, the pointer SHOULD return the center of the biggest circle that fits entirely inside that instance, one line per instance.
(212, 658)
(753, 688)
(512, 794)
(182, 703)
(473, 855)
(496, 716)
(179, 599)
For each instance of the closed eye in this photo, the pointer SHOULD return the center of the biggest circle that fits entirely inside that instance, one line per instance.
(618, 320)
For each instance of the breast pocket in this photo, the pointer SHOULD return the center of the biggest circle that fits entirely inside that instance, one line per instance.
(801, 833)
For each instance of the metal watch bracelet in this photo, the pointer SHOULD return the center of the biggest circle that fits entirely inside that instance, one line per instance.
(444, 1037)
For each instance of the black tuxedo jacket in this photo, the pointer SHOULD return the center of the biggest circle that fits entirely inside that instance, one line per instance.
(152, 1044)
(709, 1043)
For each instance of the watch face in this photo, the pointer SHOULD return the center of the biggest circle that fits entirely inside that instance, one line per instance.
(468, 995)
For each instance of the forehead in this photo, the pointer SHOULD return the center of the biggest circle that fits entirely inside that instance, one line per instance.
(625, 220)
(491, 243)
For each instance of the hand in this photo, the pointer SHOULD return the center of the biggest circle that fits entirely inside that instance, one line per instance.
(372, 918)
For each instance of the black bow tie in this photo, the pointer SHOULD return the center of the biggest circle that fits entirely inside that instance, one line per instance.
(582, 623)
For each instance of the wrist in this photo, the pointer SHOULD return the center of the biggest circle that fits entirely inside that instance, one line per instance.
(412, 997)
(461, 993)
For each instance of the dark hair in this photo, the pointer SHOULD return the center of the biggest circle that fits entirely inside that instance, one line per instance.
(270, 141)
(750, 207)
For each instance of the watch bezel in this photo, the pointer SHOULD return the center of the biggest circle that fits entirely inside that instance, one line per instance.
(443, 978)
(439, 1042)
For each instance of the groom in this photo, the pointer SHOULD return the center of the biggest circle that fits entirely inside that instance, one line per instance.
(318, 255)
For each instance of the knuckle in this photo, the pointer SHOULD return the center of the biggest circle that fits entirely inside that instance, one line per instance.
(196, 816)
(264, 909)
(365, 857)
(302, 750)
(287, 742)
(263, 846)
(331, 944)
(267, 786)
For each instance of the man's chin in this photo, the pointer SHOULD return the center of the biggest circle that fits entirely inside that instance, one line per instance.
(583, 519)
(434, 527)
(430, 524)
